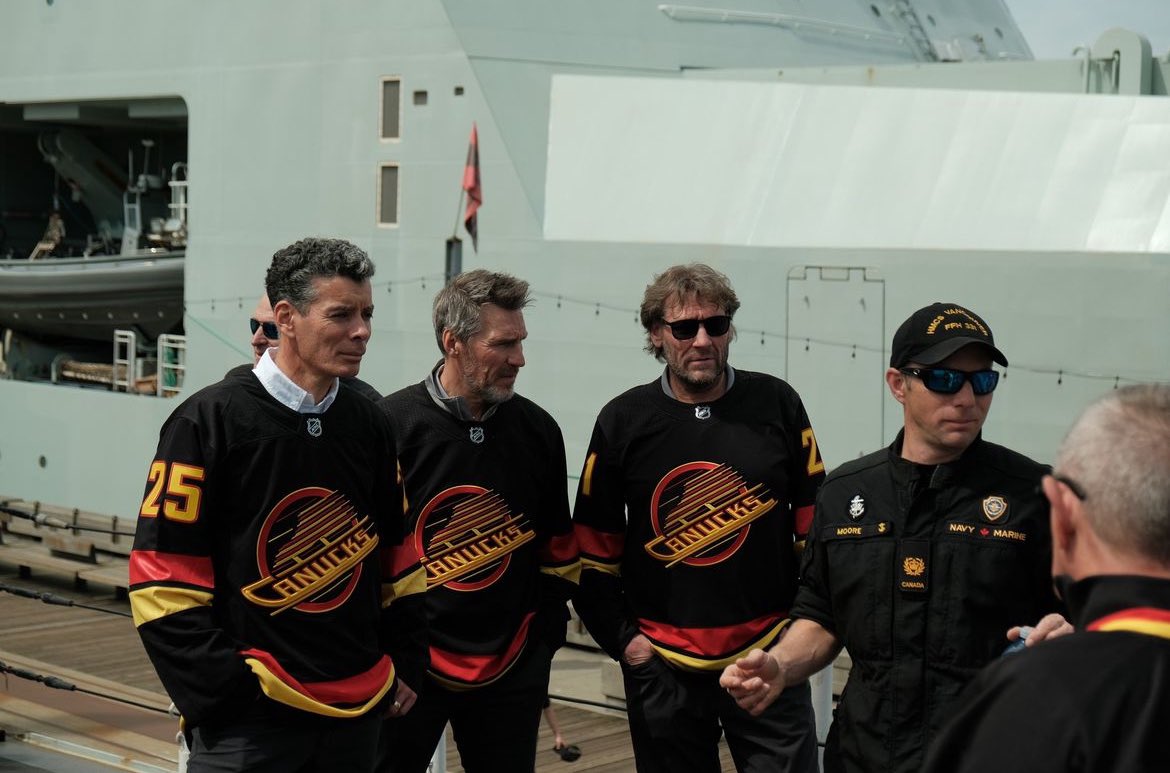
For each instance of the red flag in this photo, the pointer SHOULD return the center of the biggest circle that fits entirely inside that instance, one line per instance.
(471, 185)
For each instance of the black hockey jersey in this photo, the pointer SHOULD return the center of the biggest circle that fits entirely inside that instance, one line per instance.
(490, 520)
(270, 555)
(690, 519)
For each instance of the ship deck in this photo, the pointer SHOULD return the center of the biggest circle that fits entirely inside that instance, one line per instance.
(100, 652)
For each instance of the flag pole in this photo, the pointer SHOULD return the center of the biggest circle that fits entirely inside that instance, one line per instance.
(453, 259)
(458, 213)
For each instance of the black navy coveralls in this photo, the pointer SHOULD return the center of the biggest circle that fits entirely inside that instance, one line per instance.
(919, 571)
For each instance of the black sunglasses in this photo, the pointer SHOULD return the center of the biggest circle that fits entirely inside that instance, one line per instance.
(686, 329)
(271, 332)
(948, 381)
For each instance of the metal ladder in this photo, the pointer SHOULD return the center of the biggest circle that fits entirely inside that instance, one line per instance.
(917, 32)
(125, 360)
(172, 364)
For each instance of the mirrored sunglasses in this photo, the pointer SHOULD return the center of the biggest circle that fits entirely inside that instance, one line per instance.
(948, 381)
(686, 329)
(271, 332)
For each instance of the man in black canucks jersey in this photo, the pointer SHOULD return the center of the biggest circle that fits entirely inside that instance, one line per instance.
(271, 579)
(696, 494)
(1098, 700)
(922, 558)
(484, 474)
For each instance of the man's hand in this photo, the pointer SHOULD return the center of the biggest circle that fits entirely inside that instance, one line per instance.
(638, 651)
(1051, 626)
(754, 681)
(404, 698)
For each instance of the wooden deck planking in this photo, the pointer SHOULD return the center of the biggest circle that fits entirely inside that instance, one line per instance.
(80, 641)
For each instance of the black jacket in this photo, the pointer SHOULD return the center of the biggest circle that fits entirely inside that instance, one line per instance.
(920, 571)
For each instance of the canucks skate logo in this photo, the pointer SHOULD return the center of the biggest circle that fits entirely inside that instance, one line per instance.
(477, 434)
(314, 427)
(466, 536)
(310, 552)
(701, 513)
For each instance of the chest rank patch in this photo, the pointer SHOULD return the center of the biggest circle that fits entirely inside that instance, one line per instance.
(310, 552)
(313, 426)
(701, 513)
(476, 434)
(856, 507)
(912, 563)
(466, 536)
(702, 412)
(994, 508)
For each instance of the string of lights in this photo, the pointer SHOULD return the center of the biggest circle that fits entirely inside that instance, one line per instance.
(240, 302)
(763, 335)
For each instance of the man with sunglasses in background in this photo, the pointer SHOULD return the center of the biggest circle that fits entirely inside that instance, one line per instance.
(265, 336)
(696, 494)
(1098, 700)
(922, 559)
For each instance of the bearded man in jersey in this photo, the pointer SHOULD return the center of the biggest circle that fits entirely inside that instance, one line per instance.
(923, 560)
(484, 473)
(693, 504)
(271, 576)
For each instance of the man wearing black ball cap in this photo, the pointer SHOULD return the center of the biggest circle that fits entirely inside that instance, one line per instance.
(922, 560)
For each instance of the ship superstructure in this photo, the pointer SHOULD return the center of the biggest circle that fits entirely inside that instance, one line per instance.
(351, 119)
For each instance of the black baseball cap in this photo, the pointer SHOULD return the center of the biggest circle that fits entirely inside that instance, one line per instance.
(937, 331)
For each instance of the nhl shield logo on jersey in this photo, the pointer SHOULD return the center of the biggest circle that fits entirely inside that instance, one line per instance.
(476, 434)
(856, 507)
(994, 508)
(313, 426)
(702, 411)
